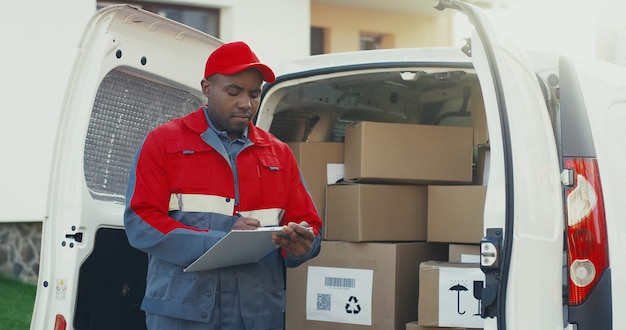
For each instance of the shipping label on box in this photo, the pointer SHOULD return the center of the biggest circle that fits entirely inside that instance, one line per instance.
(458, 292)
(342, 295)
(334, 173)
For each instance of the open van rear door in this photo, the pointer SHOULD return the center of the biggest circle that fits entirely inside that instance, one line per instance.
(522, 250)
(134, 71)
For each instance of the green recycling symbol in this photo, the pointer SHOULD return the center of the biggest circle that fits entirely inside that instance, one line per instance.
(352, 306)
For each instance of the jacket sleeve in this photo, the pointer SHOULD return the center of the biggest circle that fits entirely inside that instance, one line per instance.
(148, 226)
(300, 207)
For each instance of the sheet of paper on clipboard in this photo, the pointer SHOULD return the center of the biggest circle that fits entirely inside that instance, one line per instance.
(238, 247)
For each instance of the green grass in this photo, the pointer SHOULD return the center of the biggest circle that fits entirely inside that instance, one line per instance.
(16, 304)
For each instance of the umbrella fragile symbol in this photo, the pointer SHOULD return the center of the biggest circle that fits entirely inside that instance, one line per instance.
(458, 288)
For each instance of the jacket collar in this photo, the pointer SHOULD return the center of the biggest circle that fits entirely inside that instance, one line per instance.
(196, 122)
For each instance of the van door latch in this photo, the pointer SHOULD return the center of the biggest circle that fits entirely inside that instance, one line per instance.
(78, 237)
(490, 265)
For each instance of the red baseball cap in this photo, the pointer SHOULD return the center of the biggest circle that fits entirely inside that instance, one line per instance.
(234, 57)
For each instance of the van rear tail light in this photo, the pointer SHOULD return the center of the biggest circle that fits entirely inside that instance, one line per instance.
(59, 322)
(586, 229)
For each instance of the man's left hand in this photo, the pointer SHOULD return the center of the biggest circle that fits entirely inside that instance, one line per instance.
(297, 238)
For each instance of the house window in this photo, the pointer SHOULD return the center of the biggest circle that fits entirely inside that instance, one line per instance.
(199, 18)
(318, 40)
(369, 40)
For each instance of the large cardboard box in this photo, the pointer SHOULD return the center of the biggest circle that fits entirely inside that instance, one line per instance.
(414, 326)
(358, 286)
(376, 212)
(449, 295)
(387, 152)
(312, 158)
(455, 213)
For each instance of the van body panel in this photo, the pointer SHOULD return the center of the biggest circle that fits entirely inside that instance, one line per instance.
(603, 89)
(145, 49)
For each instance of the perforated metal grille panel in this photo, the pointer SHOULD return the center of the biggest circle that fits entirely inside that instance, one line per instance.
(126, 108)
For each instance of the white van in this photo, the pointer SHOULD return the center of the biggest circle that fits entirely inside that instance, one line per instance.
(555, 185)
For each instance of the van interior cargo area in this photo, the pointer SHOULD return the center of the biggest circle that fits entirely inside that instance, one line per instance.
(319, 110)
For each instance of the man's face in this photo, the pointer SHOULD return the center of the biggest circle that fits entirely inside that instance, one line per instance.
(233, 100)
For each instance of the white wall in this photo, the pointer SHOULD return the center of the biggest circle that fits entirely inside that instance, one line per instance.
(276, 30)
(40, 40)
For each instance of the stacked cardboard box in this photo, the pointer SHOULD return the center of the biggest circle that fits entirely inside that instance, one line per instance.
(389, 166)
(376, 212)
(449, 295)
(375, 226)
(313, 159)
(413, 325)
(365, 285)
(405, 153)
(455, 213)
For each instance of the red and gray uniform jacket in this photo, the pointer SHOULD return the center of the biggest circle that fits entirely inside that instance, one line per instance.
(183, 196)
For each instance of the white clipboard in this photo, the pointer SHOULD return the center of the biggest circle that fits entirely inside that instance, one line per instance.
(238, 247)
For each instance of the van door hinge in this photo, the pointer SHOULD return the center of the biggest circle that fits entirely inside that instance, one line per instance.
(490, 247)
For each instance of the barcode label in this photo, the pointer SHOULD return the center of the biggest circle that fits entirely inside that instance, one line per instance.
(341, 295)
(323, 302)
(340, 282)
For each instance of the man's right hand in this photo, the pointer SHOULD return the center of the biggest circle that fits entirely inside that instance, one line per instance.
(244, 223)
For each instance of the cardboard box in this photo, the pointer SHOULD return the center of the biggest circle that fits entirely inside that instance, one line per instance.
(379, 280)
(414, 326)
(464, 253)
(376, 212)
(448, 295)
(407, 153)
(313, 158)
(455, 214)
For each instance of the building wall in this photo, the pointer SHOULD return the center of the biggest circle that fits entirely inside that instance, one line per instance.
(43, 40)
(19, 250)
(344, 24)
(277, 30)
